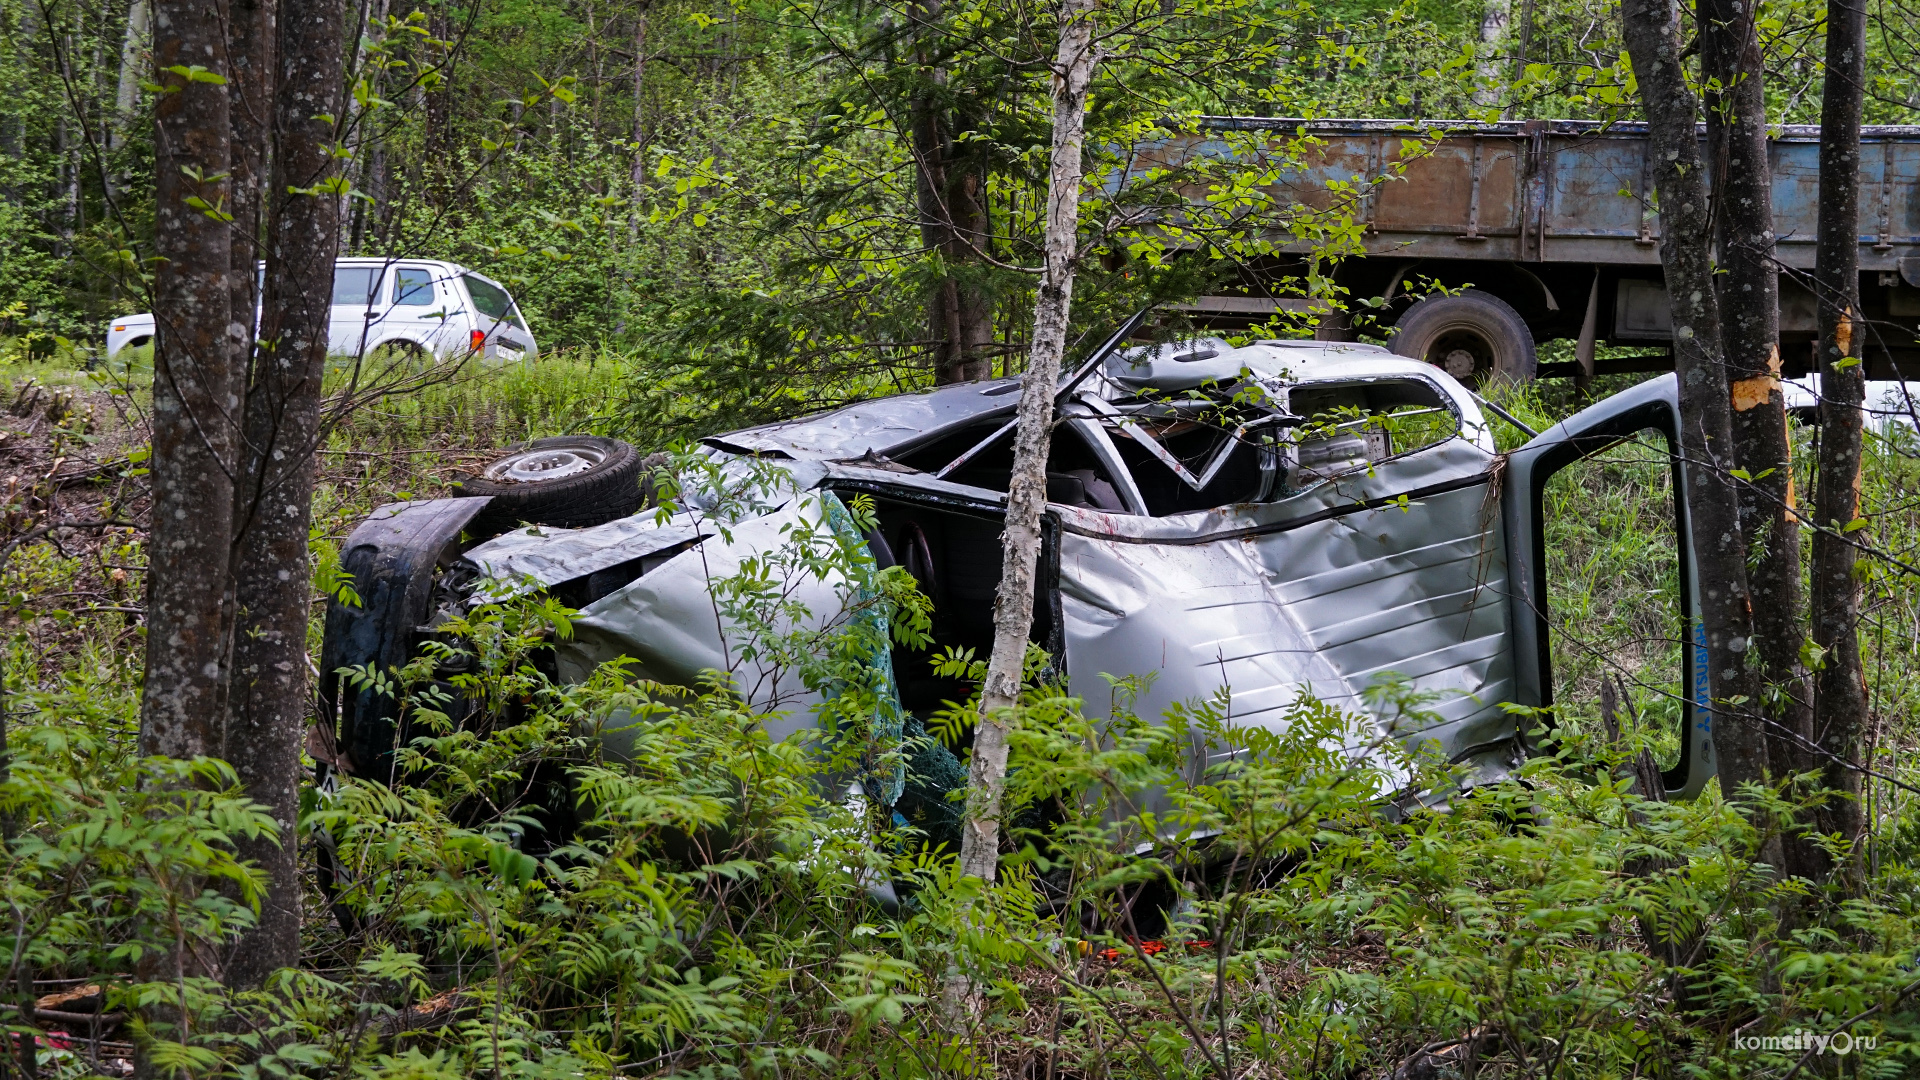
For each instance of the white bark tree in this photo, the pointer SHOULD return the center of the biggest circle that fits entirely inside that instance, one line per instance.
(133, 54)
(1073, 66)
(1492, 68)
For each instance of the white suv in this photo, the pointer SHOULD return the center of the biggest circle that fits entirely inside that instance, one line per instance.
(423, 305)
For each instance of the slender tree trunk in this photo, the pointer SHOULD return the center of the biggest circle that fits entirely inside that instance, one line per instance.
(953, 221)
(249, 73)
(1493, 38)
(67, 182)
(250, 38)
(968, 305)
(195, 388)
(13, 128)
(196, 362)
(272, 514)
(1840, 696)
(438, 115)
(126, 95)
(1027, 495)
(1651, 31)
(365, 226)
(1750, 329)
(639, 173)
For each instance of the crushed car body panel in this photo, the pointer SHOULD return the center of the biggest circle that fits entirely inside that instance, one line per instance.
(876, 426)
(671, 628)
(1272, 521)
(538, 557)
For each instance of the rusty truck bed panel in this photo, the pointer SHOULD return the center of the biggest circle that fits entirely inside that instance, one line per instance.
(1551, 191)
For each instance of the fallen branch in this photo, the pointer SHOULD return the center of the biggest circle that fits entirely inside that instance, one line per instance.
(33, 534)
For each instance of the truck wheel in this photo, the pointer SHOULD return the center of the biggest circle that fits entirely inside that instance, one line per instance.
(570, 482)
(1473, 336)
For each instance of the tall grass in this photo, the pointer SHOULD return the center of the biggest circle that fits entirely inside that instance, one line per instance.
(1382, 939)
(477, 405)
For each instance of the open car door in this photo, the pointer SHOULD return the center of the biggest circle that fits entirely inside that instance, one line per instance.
(1647, 419)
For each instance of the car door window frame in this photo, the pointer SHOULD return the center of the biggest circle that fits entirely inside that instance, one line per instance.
(1529, 469)
(372, 297)
(400, 280)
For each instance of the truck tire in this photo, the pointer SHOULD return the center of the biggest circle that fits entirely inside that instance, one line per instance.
(569, 482)
(1474, 336)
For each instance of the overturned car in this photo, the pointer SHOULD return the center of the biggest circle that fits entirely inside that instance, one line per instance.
(1264, 522)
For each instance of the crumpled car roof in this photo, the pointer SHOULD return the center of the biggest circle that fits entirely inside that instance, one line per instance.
(891, 425)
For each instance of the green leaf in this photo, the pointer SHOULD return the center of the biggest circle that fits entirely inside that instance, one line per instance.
(511, 866)
(194, 73)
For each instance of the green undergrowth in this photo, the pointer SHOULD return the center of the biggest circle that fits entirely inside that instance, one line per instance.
(614, 878)
(474, 404)
(708, 909)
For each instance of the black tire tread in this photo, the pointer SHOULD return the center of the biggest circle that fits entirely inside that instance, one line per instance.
(1496, 316)
(610, 490)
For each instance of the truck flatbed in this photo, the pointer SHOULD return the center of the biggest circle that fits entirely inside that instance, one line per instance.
(1557, 220)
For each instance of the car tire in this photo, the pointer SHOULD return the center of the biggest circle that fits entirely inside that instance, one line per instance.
(569, 482)
(1474, 336)
(400, 356)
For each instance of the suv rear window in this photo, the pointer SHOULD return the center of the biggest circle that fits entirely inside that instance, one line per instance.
(1355, 426)
(492, 300)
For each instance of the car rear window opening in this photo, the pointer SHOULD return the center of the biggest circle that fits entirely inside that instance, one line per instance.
(491, 300)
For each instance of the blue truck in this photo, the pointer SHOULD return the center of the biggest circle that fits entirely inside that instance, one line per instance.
(1554, 228)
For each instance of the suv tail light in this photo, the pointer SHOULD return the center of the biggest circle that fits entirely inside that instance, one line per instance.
(479, 340)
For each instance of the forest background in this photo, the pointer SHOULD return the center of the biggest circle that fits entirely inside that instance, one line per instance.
(714, 215)
(724, 195)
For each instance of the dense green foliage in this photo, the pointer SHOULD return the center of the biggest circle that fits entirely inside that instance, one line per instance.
(614, 878)
(703, 907)
(727, 192)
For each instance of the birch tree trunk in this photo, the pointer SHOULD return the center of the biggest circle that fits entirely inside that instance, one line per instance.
(1493, 38)
(1840, 692)
(1651, 31)
(1750, 307)
(1027, 495)
(195, 385)
(268, 699)
(126, 95)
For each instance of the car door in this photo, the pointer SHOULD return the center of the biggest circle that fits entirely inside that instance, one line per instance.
(418, 307)
(1646, 419)
(496, 318)
(355, 308)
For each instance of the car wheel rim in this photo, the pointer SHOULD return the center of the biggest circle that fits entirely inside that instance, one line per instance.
(1463, 354)
(549, 463)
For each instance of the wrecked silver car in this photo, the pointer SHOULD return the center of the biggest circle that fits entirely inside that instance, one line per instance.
(1281, 519)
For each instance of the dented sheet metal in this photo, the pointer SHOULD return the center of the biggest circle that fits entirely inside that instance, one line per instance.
(540, 556)
(876, 426)
(1395, 567)
(1320, 594)
(673, 629)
